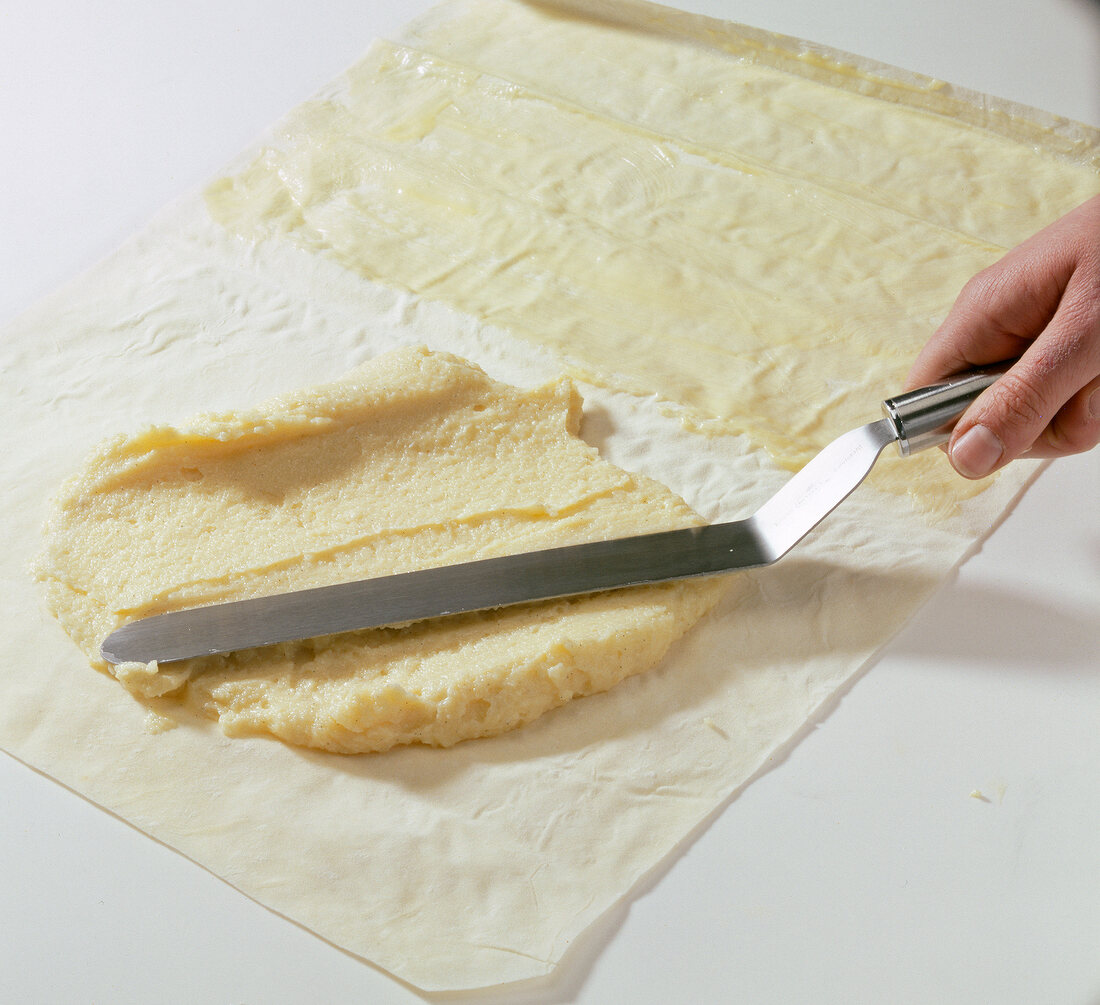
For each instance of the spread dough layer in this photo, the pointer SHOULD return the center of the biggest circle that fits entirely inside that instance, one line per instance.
(414, 460)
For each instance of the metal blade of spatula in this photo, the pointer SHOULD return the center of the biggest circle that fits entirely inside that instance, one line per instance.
(914, 420)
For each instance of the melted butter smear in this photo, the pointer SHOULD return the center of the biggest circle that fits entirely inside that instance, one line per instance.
(764, 250)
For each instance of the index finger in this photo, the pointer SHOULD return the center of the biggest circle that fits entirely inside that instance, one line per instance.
(998, 313)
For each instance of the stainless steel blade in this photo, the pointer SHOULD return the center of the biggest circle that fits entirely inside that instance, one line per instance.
(914, 420)
(512, 579)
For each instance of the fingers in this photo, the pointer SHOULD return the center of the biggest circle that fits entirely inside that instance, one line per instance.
(1076, 427)
(1046, 404)
(1039, 306)
(1001, 310)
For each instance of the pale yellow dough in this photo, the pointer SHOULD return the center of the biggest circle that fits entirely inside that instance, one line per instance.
(414, 460)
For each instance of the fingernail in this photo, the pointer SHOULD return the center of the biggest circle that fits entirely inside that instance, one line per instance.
(1094, 404)
(976, 452)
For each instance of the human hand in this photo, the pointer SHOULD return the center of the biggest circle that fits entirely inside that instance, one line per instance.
(1040, 307)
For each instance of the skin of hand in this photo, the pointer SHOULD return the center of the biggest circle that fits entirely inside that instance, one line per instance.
(1040, 306)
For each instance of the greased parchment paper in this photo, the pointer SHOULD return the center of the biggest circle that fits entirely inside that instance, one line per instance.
(477, 865)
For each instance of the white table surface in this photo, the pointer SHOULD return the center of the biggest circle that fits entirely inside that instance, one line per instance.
(861, 868)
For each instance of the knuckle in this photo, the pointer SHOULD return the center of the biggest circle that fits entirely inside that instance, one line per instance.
(982, 290)
(1020, 406)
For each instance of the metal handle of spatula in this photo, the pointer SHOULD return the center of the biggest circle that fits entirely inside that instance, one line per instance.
(925, 417)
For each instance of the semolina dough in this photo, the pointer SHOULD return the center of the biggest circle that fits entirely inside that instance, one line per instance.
(414, 460)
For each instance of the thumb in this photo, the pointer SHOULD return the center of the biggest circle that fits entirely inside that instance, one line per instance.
(1005, 420)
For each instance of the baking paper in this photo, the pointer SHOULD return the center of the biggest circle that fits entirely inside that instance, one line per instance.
(482, 864)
